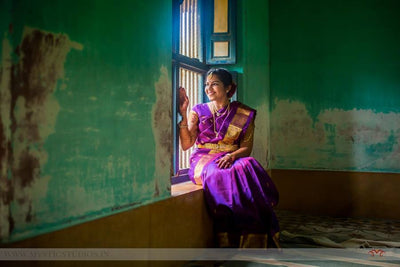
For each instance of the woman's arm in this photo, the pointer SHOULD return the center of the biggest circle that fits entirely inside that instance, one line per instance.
(188, 129)
(245, 148)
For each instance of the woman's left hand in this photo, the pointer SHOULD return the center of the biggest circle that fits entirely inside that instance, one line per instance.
(225, 162)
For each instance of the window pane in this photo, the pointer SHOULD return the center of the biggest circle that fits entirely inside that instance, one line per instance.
(192, 82)
(220, 16)
(221, 49)
(190, 29)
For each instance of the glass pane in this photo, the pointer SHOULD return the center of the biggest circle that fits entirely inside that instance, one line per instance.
(189, 33)
(220, 16)
(192, 82)
(221, 49)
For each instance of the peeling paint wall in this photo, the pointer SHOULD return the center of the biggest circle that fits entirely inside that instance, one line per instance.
(361, 140)
(34, 111)
(162, 127)
(335, 85)
(85, 125)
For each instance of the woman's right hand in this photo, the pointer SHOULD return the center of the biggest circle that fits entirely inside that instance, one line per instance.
(183, 102)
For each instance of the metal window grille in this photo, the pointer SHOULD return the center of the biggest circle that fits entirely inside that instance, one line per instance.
(191, 81)
(190, 29)
(189, 46)
(190, 66)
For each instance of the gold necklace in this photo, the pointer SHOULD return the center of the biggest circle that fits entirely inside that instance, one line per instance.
(215, 109)
(219, 114)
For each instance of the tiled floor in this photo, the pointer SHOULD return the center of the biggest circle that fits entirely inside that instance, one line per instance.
(322, 233)
(300, 230)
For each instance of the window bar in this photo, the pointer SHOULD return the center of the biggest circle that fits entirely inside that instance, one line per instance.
(196, 55)
(189, 32)
(189, 80)
(180, 28)
(187, 41)
(183, 28)
(189, 47)
(189, 94)
(181, 79)
(191, 29)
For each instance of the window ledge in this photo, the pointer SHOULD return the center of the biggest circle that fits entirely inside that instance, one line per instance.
(184, 188)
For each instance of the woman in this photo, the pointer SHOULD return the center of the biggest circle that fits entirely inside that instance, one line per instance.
(239, 193)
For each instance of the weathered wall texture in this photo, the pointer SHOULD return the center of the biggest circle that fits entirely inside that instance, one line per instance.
(335, 85)
(337, 139)
(85, 125)
(162, 117)
(5, 136)
(34, 111)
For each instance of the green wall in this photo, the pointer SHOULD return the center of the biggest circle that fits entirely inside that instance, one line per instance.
(85, 128)
(85, 99)
(253, 69)
(335, 84)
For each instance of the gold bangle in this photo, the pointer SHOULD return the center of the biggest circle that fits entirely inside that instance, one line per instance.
(231, 157)
(182, 125)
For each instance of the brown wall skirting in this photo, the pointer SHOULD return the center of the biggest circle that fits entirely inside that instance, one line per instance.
(177, 222)
(350, 194)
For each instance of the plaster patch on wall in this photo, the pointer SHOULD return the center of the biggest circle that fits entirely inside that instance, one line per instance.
(339, 139)
(5, 136)
(34, 112)
(370, 139)
(123, 113)
(91, 130)
(128, 103)
(162, 117)
(261, 145)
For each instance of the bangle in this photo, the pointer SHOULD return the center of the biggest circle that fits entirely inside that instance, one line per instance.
(182, 125)
(231, 157)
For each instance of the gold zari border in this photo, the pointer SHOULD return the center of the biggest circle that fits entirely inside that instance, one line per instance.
(236, 126)
(219, 147)
(199, 167)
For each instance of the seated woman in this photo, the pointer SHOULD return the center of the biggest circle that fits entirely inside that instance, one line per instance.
(239, 193)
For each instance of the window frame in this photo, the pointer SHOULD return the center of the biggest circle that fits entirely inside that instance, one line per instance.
(192, 64)
(200, 66)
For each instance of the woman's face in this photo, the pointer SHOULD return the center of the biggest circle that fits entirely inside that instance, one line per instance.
(215, 89)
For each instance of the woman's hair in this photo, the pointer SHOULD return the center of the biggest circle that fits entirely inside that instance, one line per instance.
(226, 78)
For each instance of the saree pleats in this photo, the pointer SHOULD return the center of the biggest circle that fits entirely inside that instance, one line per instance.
(241, 200)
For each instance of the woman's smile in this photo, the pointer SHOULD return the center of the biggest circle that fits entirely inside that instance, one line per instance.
(215, 89)
(211, 93)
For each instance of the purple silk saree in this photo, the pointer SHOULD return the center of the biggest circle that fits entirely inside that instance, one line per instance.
(240, 198)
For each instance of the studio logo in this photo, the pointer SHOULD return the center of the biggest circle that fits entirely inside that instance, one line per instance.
(374, 252)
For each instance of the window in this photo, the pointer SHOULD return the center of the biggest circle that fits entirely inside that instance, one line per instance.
(192, 41)
(220, 32)
(188, 67)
